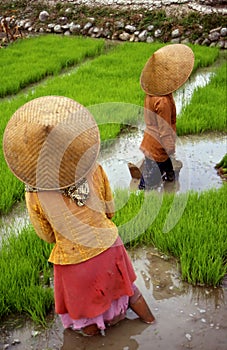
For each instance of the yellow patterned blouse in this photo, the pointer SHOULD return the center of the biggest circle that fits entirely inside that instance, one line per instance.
(79, 232)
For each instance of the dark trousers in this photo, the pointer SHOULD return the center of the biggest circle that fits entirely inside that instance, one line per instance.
(155, 172)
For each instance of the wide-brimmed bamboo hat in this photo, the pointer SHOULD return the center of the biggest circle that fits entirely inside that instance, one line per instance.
(51, 142)
(167, 69)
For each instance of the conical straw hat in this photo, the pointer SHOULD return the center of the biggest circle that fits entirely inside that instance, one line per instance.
(167, 69)
(51, 142)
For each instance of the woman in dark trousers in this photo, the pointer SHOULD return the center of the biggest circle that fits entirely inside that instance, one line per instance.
(166, 70)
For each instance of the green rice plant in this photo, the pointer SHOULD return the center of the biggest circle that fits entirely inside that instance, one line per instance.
(204, 270)
(12, 189)
(108, 85)
(43, 300)
(204, 57)
(207, 109)
(200, 235)
(25, 275)
(114, 76)
(30, 60)
(198, 240)
(111, 77)
(134, 213)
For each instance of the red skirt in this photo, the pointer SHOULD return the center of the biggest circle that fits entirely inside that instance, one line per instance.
(87, 289)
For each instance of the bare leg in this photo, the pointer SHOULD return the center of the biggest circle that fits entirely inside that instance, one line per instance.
(138, 304)
(91, 330)
(116, 320)
(141, 308)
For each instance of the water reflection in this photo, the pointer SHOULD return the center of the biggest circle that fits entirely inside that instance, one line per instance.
(184, 94)
(199, 154)
(15, 221)
(161, 279)
(121, 336)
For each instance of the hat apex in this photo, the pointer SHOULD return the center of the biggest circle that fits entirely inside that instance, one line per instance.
(167, 69)
(51, 142)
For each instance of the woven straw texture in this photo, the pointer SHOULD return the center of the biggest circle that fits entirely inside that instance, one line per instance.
(167, 69)
(51, 142)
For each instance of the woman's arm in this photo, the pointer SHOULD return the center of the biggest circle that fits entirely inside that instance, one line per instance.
(107, 195)
(38, 219)
(163, 110)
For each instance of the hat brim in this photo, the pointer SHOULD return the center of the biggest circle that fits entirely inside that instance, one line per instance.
(167, 69)
(51, 142)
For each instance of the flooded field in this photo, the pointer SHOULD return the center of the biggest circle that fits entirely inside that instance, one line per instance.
(199, 154)
(187, 317)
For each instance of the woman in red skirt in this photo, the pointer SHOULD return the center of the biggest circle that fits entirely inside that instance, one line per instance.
(51, 144)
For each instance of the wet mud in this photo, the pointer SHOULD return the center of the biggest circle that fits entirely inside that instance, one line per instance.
(186, 317)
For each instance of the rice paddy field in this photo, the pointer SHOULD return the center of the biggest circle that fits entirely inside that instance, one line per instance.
(95, 72)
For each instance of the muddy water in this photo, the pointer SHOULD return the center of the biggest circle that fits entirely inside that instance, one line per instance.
(14, 221)
(186, 317)
(199, 155)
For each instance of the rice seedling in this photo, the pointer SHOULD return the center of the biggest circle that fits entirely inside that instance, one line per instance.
(198, 239)
(204, 57)
(25, 275)
(109, 87)
(37, 58)
(207, 109)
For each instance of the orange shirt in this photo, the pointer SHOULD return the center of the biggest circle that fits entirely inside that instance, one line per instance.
(160, 133)
(79, 232)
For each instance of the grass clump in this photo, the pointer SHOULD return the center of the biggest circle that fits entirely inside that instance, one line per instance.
(198, 239)
(207, 108)
(25, 276)
(108, 85)
(28, 61)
